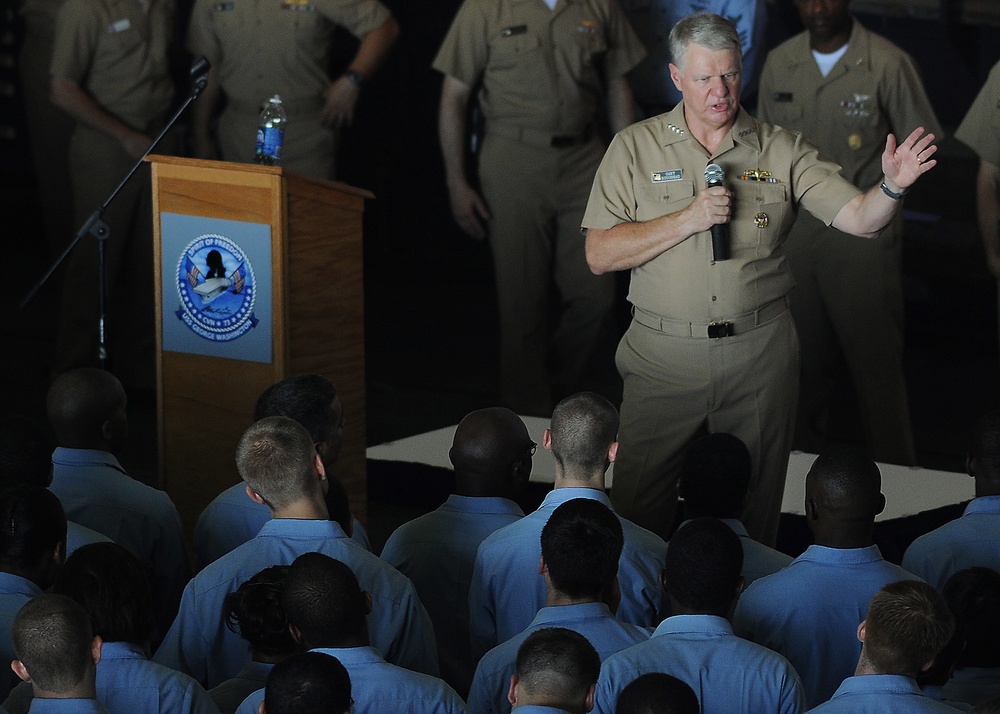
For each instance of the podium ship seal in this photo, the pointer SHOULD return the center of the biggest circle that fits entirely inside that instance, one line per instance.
(215, 283)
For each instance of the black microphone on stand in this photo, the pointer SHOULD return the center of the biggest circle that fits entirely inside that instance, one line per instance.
(714, 176)
(98, 228)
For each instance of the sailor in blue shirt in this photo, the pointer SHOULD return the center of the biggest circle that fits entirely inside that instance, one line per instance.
(973, 539)
(491, 454)
(31, 547)
(67, 706)
(15, 591)
(556, 671)
(908, 624)
(810, 611)
(86, 408)
(112, 587)
(506, 589)
(581, 546)
(327, 610)
(57, 652)
(727, 673)
(128, 683)
(973, 596)
(714, 482)
(230, 694)
(232, 518)
(656, 692)
(255, 610)
(277, 460)
(26, 459)
(378, 687)
(308, 683)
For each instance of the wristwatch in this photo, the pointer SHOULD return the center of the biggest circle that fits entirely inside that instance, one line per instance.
(357, 79)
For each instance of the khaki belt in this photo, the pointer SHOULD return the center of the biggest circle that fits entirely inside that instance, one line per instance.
(536, 137)
(722, 328)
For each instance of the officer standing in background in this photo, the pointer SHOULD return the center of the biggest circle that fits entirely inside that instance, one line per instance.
(980, 131)
(282, 47)
(544, 69)
(845, 88)
(110, 72)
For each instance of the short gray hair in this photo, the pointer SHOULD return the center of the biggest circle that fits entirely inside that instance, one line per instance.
(706, 29)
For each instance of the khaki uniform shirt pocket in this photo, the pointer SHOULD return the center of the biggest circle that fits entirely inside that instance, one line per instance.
(663, 198)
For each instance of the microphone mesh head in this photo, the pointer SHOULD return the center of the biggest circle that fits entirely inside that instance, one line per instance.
(714, 174)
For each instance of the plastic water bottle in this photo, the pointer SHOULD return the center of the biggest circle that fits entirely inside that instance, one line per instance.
(271, 133)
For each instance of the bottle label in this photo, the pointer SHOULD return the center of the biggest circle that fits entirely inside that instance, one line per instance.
(269, 142)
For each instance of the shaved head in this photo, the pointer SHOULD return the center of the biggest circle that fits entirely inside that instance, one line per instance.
(488, 446)
(80, 402)
(846, 486)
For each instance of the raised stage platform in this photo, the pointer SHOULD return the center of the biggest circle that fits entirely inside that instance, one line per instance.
(415, 472)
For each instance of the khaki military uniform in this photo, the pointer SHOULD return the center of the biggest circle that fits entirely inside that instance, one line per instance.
(267, 47)
(542, 75)
(117, 52)
(980, 129)
(683, 371)
(849, 289)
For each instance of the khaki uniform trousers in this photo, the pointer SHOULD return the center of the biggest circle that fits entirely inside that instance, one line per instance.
(536, 194)
(849, 293)
(678, 388)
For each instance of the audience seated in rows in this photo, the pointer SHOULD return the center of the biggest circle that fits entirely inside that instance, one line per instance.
(232, 628)
(491, 455)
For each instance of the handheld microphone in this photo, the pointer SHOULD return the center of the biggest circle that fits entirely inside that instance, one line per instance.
(714, 175)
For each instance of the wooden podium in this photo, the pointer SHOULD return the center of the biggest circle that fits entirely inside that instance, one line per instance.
(207, 385)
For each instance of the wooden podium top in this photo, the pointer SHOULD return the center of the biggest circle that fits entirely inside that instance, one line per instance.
(260, 169)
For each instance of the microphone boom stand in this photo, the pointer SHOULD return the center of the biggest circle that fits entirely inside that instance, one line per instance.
(97, 227)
